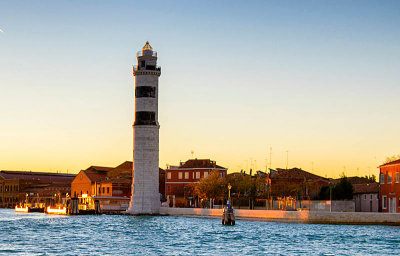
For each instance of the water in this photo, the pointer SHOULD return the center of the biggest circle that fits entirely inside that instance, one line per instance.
(40, 234)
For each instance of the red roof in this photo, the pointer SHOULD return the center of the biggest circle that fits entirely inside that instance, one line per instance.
(42, 176)
(295, 174)
(97, 173)
(122, 170)
(99, 168)
(200, 163)
(369, 188)
(95, 176)
(395, 162)
(108, 174)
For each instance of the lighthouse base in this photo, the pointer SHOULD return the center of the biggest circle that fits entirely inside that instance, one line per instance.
(144, 205)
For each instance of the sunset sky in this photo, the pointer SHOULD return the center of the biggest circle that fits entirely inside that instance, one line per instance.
(319, 79)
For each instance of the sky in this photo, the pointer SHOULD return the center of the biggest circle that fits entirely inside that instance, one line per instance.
(316, 81)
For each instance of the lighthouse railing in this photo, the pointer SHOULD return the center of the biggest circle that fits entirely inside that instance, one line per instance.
(140, 53)
(150, 68)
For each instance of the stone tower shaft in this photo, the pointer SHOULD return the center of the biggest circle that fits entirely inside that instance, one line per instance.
(145, 174)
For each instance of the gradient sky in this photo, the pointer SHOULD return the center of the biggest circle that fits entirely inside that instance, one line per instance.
(319, 79)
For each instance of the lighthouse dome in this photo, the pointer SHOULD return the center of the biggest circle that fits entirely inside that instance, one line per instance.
(147, 47)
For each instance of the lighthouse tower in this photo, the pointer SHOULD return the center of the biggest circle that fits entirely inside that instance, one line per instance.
(145, 192)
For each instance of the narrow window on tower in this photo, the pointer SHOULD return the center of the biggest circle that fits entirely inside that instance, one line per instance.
(145, 118)
(150, 67)
(145, 91)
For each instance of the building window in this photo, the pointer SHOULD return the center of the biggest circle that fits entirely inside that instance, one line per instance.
(197, 175)
(370, 197)
(168, 175)
(205, 174)
(108, 190)
(186, 175)
(389, 177)
(382, 178)
(384, 202)
(365, 197)
(104, 190)
(397, 178)
(145, 92)
(377, 196)
(99, 190)
(180, 175)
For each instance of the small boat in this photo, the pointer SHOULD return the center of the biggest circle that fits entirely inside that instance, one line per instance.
(60, 210)
(21, 208)
(228, 215)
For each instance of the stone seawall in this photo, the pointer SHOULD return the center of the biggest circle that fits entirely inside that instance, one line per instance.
(361, 218)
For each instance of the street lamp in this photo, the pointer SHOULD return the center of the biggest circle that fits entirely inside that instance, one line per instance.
(229, 193)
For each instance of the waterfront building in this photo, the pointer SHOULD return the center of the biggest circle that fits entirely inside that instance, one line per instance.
(86, 181)
(33, 187)
(110, 186)
(366, 197)
(145, 179)
(389, 179)
(179, 177)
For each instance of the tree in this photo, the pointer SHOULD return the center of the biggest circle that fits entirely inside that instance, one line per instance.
(211, 187)
(248, 187)
(324, 193)
(391, 159)
(343, 190)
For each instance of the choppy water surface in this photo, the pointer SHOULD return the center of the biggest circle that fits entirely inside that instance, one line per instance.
(40, 234)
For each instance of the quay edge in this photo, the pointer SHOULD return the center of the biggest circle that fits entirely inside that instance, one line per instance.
(344, 218)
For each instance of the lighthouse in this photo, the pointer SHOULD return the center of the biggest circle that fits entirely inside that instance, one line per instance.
(145, 174)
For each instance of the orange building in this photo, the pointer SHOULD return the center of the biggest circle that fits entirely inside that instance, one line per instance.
(389, 179)
(108, 185)
(87, 181)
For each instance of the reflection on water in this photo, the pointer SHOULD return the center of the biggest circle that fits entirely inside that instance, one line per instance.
(40, 234)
